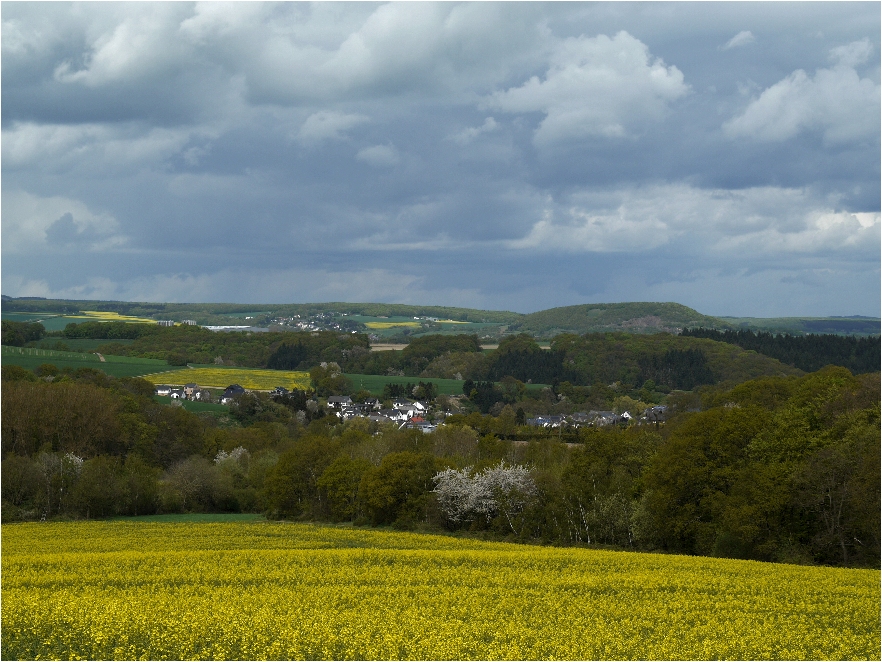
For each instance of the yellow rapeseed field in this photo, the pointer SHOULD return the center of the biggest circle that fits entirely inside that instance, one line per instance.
(390, 325)
(138, 590)
(107, 316)
(261, 380)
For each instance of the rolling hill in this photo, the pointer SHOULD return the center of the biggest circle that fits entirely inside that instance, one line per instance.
(631, 317)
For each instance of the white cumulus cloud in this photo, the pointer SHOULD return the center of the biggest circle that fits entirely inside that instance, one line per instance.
(596, 86)
(853, 54)
(28, 222)
(837, 102)
(761, 220)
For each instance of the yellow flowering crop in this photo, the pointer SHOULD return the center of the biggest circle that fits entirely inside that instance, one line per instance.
(109, 316)
(138, 590)
(262, 380)
(390, 325)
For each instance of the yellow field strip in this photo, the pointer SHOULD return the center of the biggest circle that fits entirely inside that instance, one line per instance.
(391, 325)
(257, 380)
(105, 316)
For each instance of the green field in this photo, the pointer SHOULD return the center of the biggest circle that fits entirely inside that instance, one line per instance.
(117, 366)
(78, 344)
(269, 590)
(50, 321)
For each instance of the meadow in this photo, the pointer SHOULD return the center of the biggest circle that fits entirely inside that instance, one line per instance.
(117, 366)
(263, 590)
(254, 379)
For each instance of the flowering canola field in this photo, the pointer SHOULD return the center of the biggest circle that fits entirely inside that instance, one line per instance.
(139, 590)
(261, 380)
(390, 325)
(108, 316)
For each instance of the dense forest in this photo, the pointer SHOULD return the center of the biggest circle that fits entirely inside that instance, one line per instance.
(809, 352)
(780, 468)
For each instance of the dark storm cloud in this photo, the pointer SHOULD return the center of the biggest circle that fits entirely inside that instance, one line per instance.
(724, 155)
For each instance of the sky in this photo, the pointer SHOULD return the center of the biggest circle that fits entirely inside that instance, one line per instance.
(505, 156)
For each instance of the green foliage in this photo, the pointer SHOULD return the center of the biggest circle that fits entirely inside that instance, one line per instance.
(397, 491)
(291, 486)
(420, 352)
(339, 484)
(110, 330)
(810, 352)
(522, 358)
(288, 356)
(663, 358)
(783, 467)
(783, 470)
(328, 379)
(16, 334)
(16, 373)
(193, 344)
(609, 317)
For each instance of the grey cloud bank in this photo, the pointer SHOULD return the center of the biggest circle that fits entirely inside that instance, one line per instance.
(502, 155)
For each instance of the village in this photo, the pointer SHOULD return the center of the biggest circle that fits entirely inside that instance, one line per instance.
(419, 414)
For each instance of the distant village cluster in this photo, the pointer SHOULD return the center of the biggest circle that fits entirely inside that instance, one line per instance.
(415, 414)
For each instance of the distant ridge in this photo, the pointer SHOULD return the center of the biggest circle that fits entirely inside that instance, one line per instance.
(639, 317)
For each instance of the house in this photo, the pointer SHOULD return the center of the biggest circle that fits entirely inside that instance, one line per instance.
(279, 390)
(547, 421)
(202, 395)
(419, 423)
(656, 414)
(339, 401)
(395, 414)
(374, 403)
(189, 390)
(163, 389)
(352, 411)
(232, 392)
(177, 394)
(579, 419)
(601, 418)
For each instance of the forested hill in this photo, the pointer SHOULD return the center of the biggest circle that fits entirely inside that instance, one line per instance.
(808, 353)
(646, 317)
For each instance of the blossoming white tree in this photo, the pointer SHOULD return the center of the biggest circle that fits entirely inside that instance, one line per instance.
(502, 488)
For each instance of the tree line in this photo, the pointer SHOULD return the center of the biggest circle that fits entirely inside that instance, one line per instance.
(809, 352)
(777, 468)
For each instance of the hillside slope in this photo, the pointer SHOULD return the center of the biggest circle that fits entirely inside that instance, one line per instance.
(631, 359)
(641, 317)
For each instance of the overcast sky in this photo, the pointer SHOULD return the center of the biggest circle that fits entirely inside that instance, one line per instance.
(504, 156)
